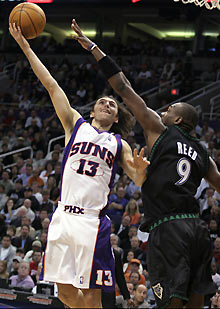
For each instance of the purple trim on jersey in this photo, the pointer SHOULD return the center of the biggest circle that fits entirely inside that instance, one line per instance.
(41, 276)
(103, 259)
(115, 164)
(67, 149)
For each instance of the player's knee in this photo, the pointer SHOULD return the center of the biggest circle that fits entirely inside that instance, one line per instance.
(93, 300)
(66, 294)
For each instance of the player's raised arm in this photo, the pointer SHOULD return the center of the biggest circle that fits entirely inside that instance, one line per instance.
(67, 115)
(149, 119)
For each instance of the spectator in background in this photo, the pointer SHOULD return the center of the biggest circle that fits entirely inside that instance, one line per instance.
(11, 231)
(27, 174)
(214, 230)
(117, 204)
(15, 264)
(29, 213)
(134, 267)
(9, 211)
(22, 280)
(3, 227)
(39, 160)
(36, 246)
(17, 194)
(132, 210)
(16, 220)
(28, 194)
(7, 251)
(37, 223)
(3, 196)
(6, 182)
(215, 275)
(35, 178)
(36, 259)
(216, 251)
(25, 220)
(4, 274)
(24, 241)
(140, 295)
(46, 203)
(45, 225)
(34, 117)
(20, 252)
(126, 266)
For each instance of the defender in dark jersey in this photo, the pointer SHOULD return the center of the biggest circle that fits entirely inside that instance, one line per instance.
(179, 246)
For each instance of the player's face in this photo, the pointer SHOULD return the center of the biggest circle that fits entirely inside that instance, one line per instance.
(105, 109)
(169, 117)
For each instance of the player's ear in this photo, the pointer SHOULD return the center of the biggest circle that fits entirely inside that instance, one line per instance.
(178, 120)
(92, 114)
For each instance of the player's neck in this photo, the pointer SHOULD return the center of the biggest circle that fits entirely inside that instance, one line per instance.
(101, 126)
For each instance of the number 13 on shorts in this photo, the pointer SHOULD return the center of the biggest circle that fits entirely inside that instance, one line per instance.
(107, 274)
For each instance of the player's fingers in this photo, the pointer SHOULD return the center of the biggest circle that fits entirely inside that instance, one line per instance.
(135, 152)
(141, 152)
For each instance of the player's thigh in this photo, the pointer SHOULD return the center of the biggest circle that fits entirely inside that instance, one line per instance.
(195, 301)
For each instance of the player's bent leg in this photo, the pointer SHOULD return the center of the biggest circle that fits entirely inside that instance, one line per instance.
(92, 298)
(195, 301)
(70, 296)
(175, 303)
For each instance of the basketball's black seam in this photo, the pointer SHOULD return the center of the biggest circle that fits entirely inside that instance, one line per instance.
(42, 16)
(14, 14)
(31, 22)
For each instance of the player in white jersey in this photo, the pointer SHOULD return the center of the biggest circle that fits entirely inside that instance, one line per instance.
(78, 256)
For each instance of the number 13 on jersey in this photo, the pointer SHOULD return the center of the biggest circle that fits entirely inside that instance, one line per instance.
(107, 274)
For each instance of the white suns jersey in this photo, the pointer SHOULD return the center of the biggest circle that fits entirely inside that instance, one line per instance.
(89, 166)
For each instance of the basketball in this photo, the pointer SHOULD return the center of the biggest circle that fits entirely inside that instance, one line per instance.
(30, 17)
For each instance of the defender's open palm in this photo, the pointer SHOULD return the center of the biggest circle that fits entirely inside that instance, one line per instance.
(139, 162)
(17, 35)
(80, 37)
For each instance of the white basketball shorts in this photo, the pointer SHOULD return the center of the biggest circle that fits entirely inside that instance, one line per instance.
(78, 250)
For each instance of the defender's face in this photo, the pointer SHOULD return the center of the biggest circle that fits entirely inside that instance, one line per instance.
(105, 109)
(168, 118)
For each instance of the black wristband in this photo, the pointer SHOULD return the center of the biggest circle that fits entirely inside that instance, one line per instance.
(108, 66)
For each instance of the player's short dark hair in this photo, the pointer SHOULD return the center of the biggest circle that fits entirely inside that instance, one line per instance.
(190, 116)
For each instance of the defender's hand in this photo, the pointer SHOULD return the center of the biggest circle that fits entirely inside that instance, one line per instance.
(80, 37)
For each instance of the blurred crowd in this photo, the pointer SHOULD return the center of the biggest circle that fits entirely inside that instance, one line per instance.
(30, 171)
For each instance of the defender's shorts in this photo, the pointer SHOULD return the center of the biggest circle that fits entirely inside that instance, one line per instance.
(178, 259)
(78, 250)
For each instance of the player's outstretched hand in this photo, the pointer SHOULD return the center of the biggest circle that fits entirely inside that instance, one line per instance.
(79, 36)
(17, 35)
(139, 161)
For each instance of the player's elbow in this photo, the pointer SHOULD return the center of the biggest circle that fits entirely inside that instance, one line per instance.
(51, 84)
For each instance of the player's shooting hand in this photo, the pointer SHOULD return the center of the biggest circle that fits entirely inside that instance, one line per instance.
(79, 36)
(15, 31)
(139, 161)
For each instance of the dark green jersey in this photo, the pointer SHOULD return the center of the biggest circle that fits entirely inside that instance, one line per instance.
(178, 163)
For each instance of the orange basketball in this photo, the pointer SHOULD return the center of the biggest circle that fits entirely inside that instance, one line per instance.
(30, 17)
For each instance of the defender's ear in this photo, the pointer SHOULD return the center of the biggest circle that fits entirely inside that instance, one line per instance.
(92, 114)
(178, 120)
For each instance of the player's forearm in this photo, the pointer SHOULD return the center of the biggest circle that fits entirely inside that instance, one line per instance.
(39, 69)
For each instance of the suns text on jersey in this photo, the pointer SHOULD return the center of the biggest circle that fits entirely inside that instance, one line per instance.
(93, 150)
